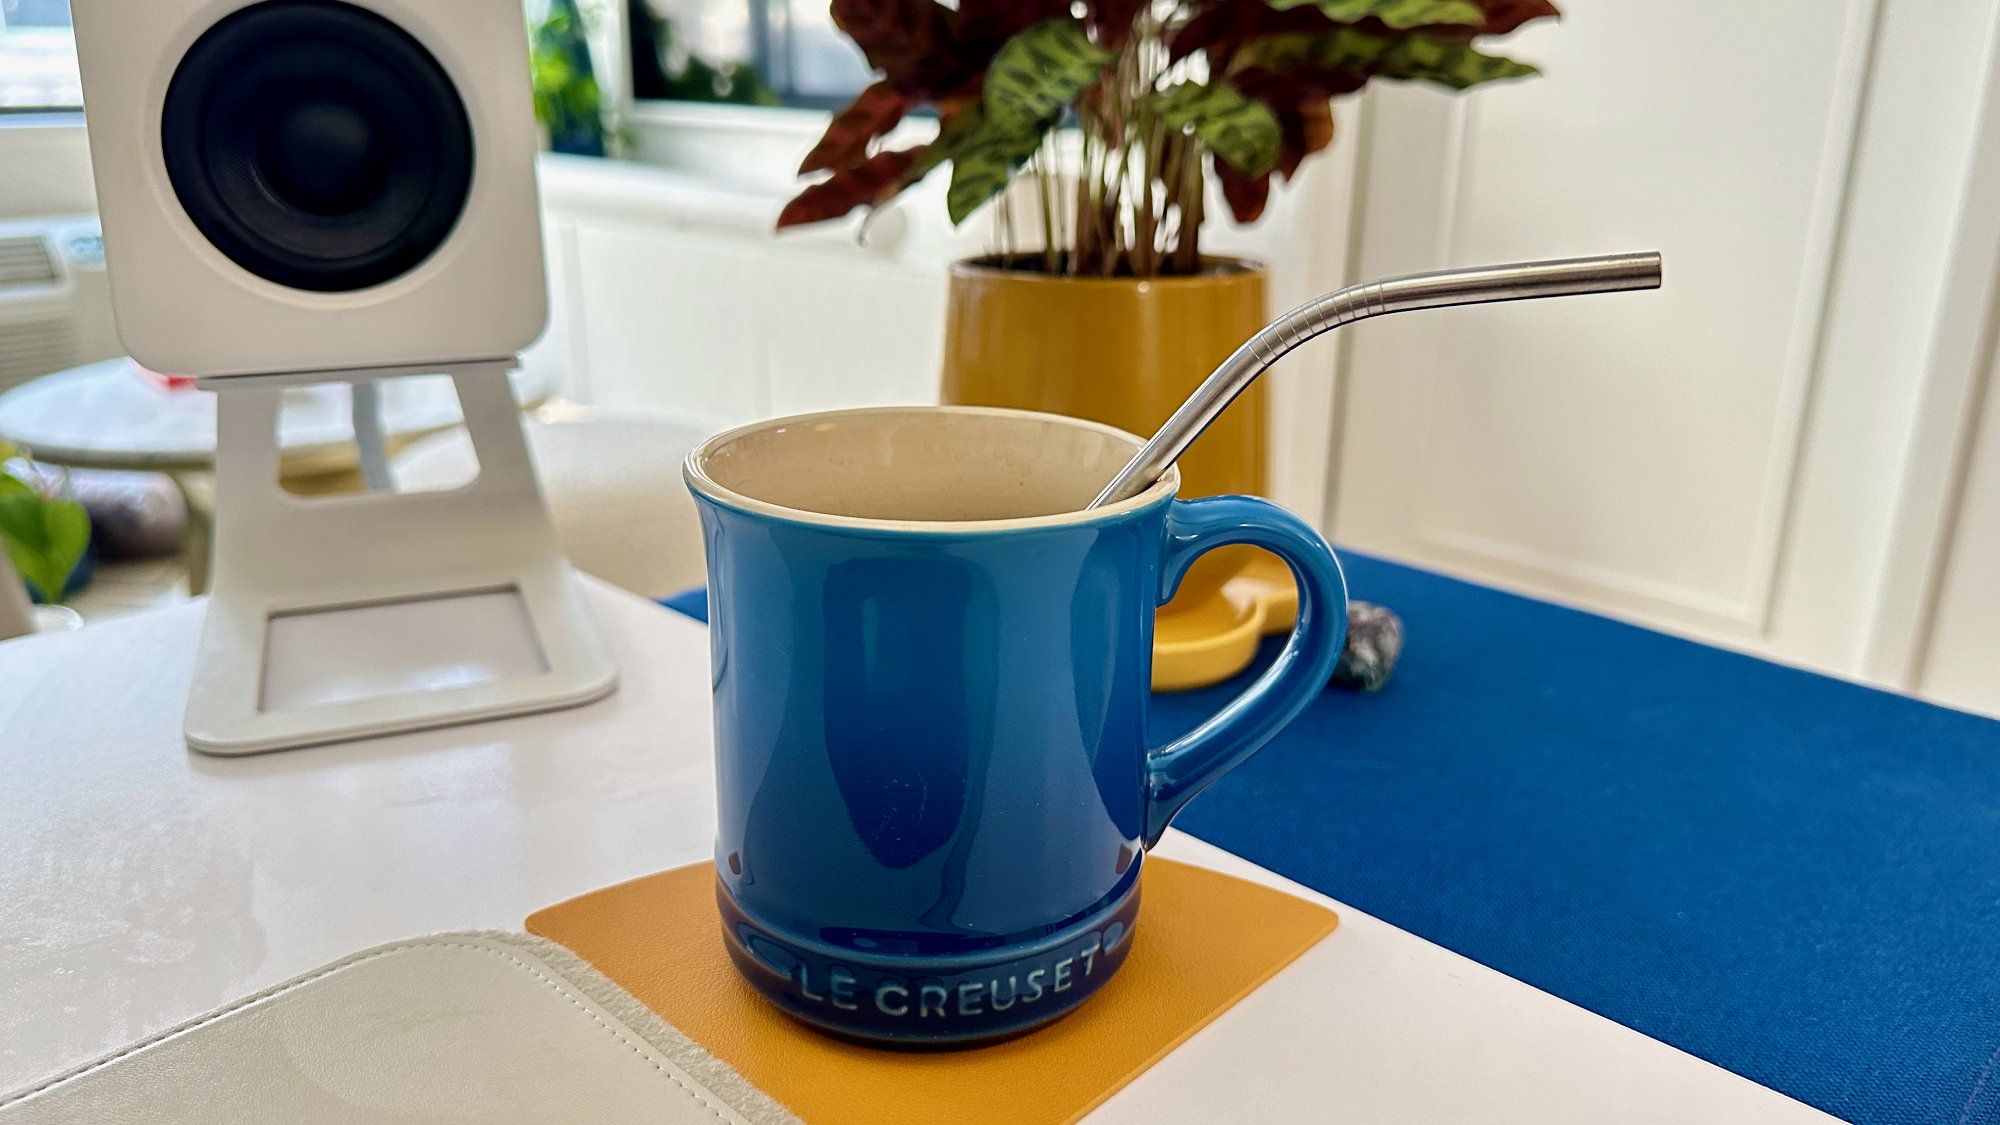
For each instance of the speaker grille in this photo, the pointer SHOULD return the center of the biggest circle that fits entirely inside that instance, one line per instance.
(25, 262)
(317, 144)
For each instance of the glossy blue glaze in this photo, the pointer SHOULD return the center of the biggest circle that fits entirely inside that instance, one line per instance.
(933, 782)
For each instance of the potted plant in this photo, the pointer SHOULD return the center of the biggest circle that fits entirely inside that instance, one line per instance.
(45, 537)
(569, 106)
(1115, 116)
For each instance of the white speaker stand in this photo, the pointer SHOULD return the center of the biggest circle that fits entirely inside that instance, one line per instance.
(342, 617)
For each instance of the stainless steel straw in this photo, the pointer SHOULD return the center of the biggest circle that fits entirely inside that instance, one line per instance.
(1519, 281)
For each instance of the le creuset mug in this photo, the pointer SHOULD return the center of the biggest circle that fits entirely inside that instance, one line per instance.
(931, 672)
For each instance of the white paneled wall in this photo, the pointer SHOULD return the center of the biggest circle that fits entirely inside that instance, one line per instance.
(672, 295)
(1961, 656)
(1722, 458)
(828, 359)
(1626, 451)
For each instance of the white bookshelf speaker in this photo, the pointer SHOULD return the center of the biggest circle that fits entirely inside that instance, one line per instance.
(311, 191)
(314, 185)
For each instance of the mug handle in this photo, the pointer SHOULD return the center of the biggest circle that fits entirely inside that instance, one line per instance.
(1184, 767)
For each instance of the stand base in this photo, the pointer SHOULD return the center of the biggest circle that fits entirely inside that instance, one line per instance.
(344, 617)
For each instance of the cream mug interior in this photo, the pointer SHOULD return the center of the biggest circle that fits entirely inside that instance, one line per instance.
(920, 465)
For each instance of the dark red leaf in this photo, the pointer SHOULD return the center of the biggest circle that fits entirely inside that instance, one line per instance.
(1503, 16)
(1246, 194)
(872, 115)
(914, 43)
(1202, 30)
(1111, 20)
(1299, 100)
(872, 181)
(1300, 84)
(1303, 129)
(996, 21)
(1221, 27)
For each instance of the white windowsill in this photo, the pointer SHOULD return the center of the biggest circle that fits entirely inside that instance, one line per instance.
(806, 124)
(632, 189)
(730, 169)
(43, 119)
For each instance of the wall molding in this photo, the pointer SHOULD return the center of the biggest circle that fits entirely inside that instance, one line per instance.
(1960, 367)
(1748, 614)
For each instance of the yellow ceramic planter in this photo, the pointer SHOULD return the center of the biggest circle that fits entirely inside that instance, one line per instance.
(1127, 351)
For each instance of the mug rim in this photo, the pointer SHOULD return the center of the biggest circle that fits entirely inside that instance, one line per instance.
(694, 471)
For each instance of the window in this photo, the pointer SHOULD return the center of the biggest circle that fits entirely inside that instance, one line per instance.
(749, 52)
(37, 57)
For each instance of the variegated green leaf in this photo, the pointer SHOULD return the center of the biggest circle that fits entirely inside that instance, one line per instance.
(1395, 13)
(952, 135)
(984, 156)
(1242, 132)
(1038, 71)
(1415, 57)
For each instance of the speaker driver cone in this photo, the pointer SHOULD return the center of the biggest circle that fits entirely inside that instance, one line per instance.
(317, 144)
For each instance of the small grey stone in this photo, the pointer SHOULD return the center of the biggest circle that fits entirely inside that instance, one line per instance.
(1374, 641)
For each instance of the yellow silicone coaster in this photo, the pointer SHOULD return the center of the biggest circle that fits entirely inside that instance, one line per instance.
(1204, 941)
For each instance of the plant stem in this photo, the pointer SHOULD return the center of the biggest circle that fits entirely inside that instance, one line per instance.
(1193, 189)
(1003, 214)
(1114, 207)
(1084, 215)
(1040, 169)
(1146, 243)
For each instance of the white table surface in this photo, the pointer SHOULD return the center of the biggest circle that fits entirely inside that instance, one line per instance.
(141, 884)
(113, 415)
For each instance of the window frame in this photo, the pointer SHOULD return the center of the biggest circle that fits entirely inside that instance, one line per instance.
(9, 112)
(765, 53)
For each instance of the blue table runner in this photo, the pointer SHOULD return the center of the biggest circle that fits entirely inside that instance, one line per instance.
(1793, 877)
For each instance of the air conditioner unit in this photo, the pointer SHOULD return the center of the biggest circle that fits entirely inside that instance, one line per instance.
(55, 302)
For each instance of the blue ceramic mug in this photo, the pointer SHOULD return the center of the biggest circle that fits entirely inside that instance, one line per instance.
(931, 674)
